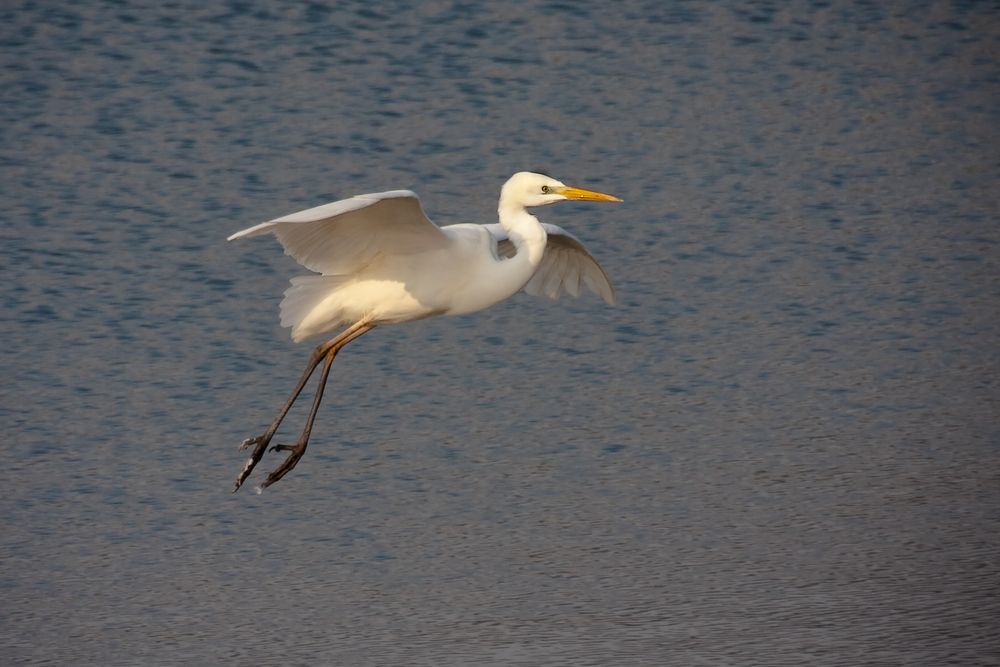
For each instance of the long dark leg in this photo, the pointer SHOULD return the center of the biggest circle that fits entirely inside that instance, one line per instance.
(261, 442)
(298, 449)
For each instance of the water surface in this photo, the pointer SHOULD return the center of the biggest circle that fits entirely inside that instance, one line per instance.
(780, 448)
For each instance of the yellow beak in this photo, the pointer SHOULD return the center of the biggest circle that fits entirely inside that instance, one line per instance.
(580, 194)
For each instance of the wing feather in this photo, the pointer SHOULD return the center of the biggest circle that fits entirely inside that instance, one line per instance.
(566, 265)
(551, 284)
(344, 236)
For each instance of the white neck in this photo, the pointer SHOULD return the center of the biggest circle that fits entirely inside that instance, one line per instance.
(526, 233)
(500, 279)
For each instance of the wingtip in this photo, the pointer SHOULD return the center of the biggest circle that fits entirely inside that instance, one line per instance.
(240, 234)
(610, 294)
(256, 230)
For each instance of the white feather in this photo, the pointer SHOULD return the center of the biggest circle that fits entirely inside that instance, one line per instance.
(304, 298)
(344, 236)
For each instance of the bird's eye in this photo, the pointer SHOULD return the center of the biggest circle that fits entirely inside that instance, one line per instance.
(545, 189)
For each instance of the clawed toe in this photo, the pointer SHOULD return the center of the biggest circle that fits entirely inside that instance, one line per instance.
(250, 442)
(296, 450)
(259, 443)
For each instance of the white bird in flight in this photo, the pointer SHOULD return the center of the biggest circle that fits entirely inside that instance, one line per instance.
(379, 260)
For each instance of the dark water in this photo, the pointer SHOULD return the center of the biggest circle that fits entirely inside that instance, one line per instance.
(781, 448)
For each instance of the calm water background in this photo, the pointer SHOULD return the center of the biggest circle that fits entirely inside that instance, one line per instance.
(780, 448)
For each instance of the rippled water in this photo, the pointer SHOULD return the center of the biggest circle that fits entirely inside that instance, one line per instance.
(780, 448)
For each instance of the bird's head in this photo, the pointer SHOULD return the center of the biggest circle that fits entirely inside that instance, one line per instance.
(526, 188)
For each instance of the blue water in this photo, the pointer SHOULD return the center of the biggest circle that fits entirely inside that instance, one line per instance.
(780, 448)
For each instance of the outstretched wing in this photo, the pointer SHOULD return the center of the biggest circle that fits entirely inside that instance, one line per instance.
(566, 265)
(344, 236)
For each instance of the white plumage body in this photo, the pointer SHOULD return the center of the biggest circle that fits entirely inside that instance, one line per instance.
(398, 288)
(380, 260)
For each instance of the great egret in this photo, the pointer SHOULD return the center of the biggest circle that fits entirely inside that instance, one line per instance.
(379, 260)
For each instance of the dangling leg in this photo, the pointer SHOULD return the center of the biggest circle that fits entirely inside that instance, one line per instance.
(299, 448)
(261, 442)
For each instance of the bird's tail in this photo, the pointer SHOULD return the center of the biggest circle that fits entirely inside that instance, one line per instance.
(310, 305)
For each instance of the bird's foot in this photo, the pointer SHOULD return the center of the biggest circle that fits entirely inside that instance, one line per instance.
(297, 450)
(259, 445)
(251, 442)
